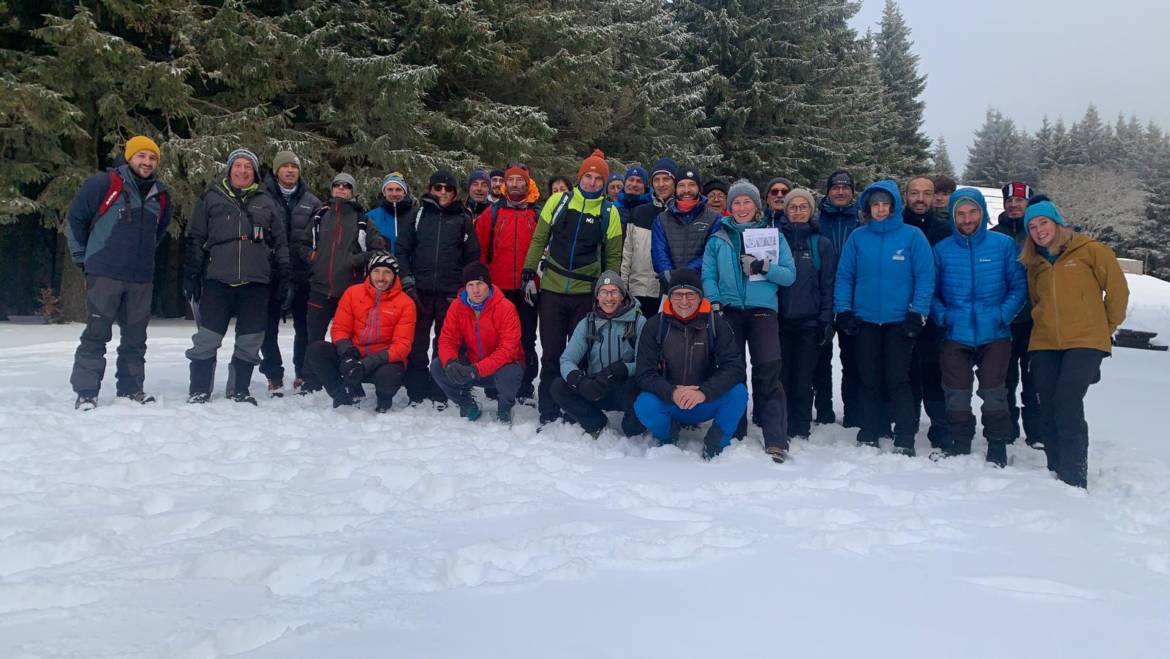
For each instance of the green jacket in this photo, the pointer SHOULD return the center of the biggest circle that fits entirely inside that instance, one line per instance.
(579, 247)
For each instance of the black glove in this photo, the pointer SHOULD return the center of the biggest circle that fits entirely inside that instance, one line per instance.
(757, 267)
(575, 378)
(285, 293)
(459, 373)
(826, 334)
(849, 323)
(351, 371)
(526, 276)
(192, 288)
(616, 372)
(370, 363)
(408, 285)
(592, 388)
(912, 326)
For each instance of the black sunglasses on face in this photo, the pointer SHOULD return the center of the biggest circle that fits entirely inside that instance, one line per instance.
(443, 187)
(777, 192)
(343, 185)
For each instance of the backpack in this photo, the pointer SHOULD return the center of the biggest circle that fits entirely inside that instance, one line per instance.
(662, 335)
(562, 204)
(629, 334)
(114, 190)
(814, 249)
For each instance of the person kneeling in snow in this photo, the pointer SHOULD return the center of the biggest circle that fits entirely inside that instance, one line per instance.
(597, 364)
(690, 368)
(480, 346)
(372, 333)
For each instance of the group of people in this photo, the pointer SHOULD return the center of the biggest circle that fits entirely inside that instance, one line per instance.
(645, 291)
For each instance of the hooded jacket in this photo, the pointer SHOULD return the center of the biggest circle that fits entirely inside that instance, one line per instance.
(489, 338)
(837, 222)
(723, 278)
(377, 324)
(887, 268)
(810, 297)
(581, 243)
(681, 353)
(121, 243)
(504, 243)
(1079, 300)
(637, 265)
(237, 237)
(386, 215)
(336, 246)
(435, 244)
(678, 239)
(979, 284)
(298, 210)
(613, 340)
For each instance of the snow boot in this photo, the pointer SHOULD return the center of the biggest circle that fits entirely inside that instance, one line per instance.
(139, 397)
(997, 453)
(907, 451)
(470, 411)
(276, 388)
(713, 442)
(198, 398)
(504, 415)
(85, 402)
(778, 454)
(244, 397)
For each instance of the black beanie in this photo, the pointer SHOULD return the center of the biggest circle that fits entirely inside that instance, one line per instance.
(689, 174)
(839, 177)
(443, 176)
(476, 271)
(685, 278)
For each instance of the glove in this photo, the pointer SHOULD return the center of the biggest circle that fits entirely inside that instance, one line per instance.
(192, 288)
(591, 388)
(285, 293)
(459, 373)
(616, 372)
(664, 281)
(912, 326)
(408, 285)
(826, 334)
(752, 265)
(352, 372)
(848, 323)
(528, 283)
(575, 378)
(370, 363)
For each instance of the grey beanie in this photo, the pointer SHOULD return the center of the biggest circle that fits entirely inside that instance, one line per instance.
(800, 193)
(246, 154)
(283, 158)
(342, 177)
(612, 278)
(744, 187)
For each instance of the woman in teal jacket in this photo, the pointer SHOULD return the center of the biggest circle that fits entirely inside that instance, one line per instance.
(743, 287)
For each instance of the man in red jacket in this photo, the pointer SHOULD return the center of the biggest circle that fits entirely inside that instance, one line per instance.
(372, 333)
(480, 346)
(504, 231)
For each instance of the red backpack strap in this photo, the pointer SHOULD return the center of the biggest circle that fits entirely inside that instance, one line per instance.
(162, 204)
(113, 191)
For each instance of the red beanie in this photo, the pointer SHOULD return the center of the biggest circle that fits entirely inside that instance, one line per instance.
(594, 163)
(516, 170)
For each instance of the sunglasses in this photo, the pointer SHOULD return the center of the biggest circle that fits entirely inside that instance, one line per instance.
(777, 192)
(343, 185)
(443, 187)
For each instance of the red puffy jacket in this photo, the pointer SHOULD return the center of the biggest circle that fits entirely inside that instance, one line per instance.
(491, 337)
(502, 248)
(376, 322)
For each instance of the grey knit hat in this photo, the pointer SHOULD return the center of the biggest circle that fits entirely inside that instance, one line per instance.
(613, 279)
(283, 158)
(800, 193)
(744, 187)
(246, 154)
(342, 177)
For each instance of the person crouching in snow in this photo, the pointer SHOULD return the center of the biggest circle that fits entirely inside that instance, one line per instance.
(598, 362)
(749, 306)
(480, 346)
(372, 333)
(690, 367)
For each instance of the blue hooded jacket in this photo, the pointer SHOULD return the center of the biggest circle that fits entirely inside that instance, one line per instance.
(980, 284)
(837, 222)
(723, 278)
(887, 268)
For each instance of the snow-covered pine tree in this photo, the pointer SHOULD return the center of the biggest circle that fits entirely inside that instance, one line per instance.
(940, 158)
(903, 86)
(999, 153)
(1091, 141)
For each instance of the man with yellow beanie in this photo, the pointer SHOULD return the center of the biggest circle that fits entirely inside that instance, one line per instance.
(582, 232)
(113, 227)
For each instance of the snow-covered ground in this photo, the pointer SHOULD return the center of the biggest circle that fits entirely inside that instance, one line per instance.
(292, 531)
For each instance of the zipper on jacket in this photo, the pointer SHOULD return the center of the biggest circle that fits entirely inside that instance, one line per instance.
(573, 247)
(974, 296)
(438, 243)
(1056, 304)
(333, 247)
(240, 244)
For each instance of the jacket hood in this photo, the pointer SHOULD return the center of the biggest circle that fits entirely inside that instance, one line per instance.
(970, 194)
(891, 223)
(827, 206)
(728, 223)
(703, 310)
(491, 300)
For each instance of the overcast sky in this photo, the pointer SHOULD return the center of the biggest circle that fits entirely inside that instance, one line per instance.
(1028, 58)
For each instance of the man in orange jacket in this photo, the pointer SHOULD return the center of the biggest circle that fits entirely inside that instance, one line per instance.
(480, 346)
(372, 333)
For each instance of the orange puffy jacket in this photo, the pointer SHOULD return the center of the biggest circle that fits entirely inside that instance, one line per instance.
(490, 339)
(376, 323)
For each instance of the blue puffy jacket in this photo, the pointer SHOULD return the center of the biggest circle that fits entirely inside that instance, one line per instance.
(613, 340)
(723, 278)
(980, 284)
(886, 268)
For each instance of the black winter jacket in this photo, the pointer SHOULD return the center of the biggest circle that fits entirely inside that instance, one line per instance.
(236, 237)
(336, 245)
(810, 298)
(435, 244)
(685, 356)
(298, 210)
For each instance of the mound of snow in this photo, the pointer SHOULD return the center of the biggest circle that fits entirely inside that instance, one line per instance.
(1149, 306)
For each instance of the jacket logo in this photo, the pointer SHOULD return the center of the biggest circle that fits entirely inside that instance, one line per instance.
(984, 260)
(899, 256)
(589, 219)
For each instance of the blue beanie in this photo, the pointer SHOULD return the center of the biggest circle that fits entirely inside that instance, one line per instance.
(395, 177)
(639, 171)
(478, 175)
(1043, 209)
(665, 166)
(615, 177)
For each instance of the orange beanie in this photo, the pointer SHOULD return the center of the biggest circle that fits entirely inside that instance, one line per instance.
(594, 163)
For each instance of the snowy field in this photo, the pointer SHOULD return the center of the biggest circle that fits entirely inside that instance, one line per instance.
(293, 531)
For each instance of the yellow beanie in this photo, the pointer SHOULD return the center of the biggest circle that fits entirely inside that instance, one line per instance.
(141, 143)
